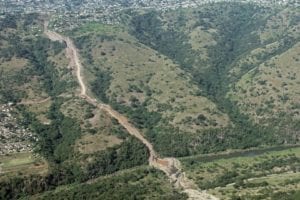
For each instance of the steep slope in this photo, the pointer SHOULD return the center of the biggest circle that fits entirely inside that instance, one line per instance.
(171, 166)
(140, 76)
(148, 87)
(220, 45)
(269, 92)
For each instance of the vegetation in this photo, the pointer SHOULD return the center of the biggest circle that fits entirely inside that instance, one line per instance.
(235, 35)
(239, 173)
(56, 138)
(141, 183)
(175, 127)
(21, 164)
(194, 81)
(101, 84)
(35, 51)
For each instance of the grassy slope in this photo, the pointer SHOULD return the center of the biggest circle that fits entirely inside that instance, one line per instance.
(141, 72)
(251, 174)
(19, 164)
(173, 94)
(139, 183)
(270, 88)
(138, 72)
(222, 46)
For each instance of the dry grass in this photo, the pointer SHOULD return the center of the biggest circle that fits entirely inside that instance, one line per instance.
(92, 143)
(22, 164)
(15, 64)
(133, 65)
(33, 90)
(41, 109)
(273, 86)
(280, 24)
(77, 108)
(100, 122)
(201, 40)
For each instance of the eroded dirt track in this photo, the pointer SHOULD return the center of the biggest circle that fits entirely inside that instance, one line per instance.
(170, 166)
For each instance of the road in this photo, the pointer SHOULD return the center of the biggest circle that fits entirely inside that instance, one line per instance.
(170, 166)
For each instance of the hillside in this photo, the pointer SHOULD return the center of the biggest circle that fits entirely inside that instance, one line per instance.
(179, 74)
(60, 137)
(216, 86)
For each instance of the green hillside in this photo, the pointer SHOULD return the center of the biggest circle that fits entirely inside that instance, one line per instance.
(216, 86)
(179, 74)
(72, 141)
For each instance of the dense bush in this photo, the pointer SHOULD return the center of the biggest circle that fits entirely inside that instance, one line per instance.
(139, 184)
(101, 84)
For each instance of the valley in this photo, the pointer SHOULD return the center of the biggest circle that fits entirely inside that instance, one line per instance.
(150, 100)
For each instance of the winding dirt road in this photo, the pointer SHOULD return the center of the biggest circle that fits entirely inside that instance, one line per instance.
(170, 166)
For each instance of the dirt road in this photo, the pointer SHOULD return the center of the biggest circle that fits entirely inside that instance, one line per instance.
(170, 166)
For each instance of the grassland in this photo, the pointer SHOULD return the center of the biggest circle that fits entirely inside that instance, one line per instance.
(252, 174)
(271, 88)
(143, 75)
(22, 164)
(185, 68)
(94, 27)
(15, 64)
(93, 143)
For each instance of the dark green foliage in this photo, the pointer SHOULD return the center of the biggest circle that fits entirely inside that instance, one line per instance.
(171, 42)
(129, 154)
(56, 144)
(269, 193)
(41, 67)
(8, 82)
(30, 19)
(234, 21)
(101, 84)
(171, 142)
(17, 187)
(9, 21)
(139, 115)
(57, 139)
(81, 41)
(139, 184)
